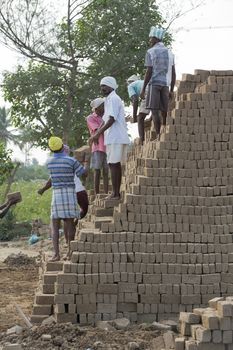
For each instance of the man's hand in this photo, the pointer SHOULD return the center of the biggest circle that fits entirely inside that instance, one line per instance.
(171, 95)
(40, 191)
(142, 95)
(94, 138)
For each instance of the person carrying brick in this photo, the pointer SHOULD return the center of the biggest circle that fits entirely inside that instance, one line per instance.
(62, 169)
(160, 75)
(98, 149)
(115, 132)
(135, 85)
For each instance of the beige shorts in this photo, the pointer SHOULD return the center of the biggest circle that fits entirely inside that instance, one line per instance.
(116, 153)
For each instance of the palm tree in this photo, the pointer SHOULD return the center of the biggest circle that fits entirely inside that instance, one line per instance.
(7, 133)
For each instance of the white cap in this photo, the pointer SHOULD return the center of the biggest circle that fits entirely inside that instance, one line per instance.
(132, 78)
(96, 102)
(109, 81)
(157, 32)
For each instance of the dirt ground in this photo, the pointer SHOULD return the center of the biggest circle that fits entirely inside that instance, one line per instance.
(18, 282)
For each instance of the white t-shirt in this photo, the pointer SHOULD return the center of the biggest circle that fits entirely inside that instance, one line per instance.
(117, 133)
(78, 184)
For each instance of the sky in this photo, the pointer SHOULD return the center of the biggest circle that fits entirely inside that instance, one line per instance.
(202, 40)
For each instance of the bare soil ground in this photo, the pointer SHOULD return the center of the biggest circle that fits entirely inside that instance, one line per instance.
(18, 282)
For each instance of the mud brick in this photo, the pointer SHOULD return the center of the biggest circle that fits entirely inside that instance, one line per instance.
(127, 287)
(75, 257)
(190, 299)
(150, 299)
(189, 317)
(210, 346)
(216, 336)
(224, 308)
(64, 318)
(151, 278)
(66, 278)
(107, 288)
(227, 337)
(210, 320)
(127, 307)
(38, 318)
(106, 308)
(72, 308)
(200, 333)
(64, 298)
(191, 345)
(44, 299)
(49, 278)
(185, 329)
(59, 288)
(225, 323)
(213, 302)
(54, 266)
(86, 308)
(48, 288)
(59, 308)
(42, 310)
(168, 298)
(87, 289)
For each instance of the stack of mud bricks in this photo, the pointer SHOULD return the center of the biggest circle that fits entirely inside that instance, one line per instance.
(169, 247)
(208, 328)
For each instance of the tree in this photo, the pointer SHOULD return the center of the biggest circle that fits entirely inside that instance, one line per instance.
(6, 165)
(96, 38)
(7, 134)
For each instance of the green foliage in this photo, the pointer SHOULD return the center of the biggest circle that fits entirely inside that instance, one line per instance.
(7, 227)
(38, 94)
(116, 44)
(33, 206)
(109, 38)
(6, 164)
(32, 172)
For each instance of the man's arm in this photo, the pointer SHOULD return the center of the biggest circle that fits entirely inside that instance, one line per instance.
(147, 78)
(102, 129)
(173, 81)
(45, 187)
(134, 100)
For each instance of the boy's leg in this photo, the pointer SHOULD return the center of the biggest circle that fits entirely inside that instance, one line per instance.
(55, 225)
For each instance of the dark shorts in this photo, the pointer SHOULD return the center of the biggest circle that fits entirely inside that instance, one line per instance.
(98, 160)
(82, 199)
(157, 98)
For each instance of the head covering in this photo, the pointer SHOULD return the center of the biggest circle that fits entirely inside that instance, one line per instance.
(157, 32)
(66, 149)
(109, 81)
(132, 78)
(96, 102)
(55, 143)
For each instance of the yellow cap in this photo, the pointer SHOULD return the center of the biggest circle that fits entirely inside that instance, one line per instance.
(55, 143)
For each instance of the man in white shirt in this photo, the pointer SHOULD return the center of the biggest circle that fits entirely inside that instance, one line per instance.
(115, 132)
(160, 75)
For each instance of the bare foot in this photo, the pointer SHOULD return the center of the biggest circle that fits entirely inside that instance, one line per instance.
(112, 196)
(67, 256)
(55, 258)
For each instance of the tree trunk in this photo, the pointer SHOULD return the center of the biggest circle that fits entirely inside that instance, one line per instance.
(10, 180)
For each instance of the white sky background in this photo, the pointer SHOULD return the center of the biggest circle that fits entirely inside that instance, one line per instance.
(202, 40)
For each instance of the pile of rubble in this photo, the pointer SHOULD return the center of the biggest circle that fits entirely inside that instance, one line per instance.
(19, 260)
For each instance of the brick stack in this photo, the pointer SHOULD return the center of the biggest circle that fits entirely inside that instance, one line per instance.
(169, 245)
(207, 328)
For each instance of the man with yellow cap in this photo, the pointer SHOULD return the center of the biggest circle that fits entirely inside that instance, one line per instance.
(160, 75)
(115, 132)
(62, 170)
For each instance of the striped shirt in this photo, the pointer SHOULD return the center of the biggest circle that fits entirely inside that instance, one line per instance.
(161, 59)
(62, 169)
